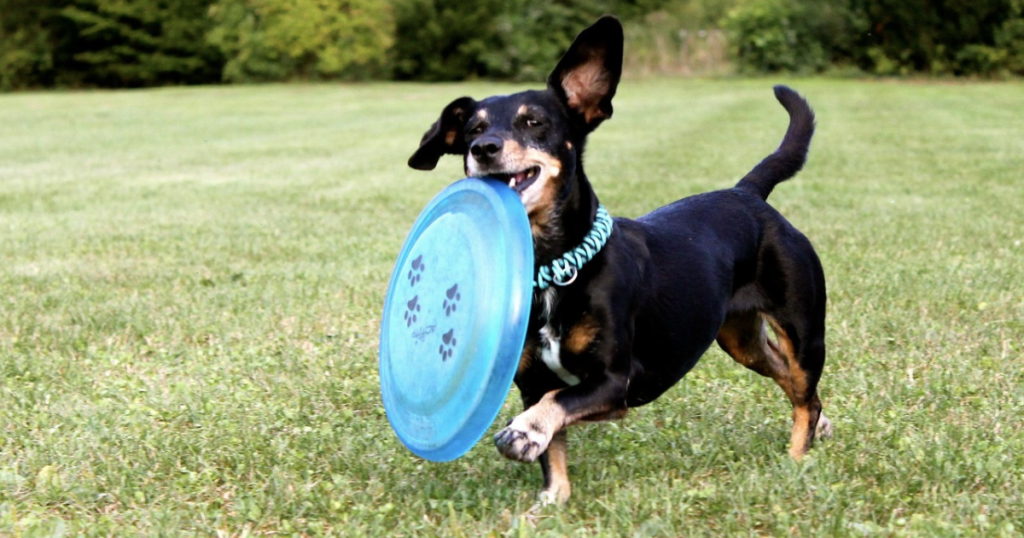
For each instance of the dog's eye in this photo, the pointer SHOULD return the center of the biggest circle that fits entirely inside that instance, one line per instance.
(530, 122)
(476, 129)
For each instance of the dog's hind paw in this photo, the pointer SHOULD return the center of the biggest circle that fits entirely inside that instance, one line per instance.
(522, 445)
(824, 428)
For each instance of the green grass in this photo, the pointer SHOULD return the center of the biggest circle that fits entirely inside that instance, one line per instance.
(191, 282)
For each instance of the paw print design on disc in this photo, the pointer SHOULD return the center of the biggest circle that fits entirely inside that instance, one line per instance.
(412, 307)
(416, 272)
(448, 345)
(451, 304)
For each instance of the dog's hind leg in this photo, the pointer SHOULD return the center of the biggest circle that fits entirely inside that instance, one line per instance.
(804, 353)
(744, 337)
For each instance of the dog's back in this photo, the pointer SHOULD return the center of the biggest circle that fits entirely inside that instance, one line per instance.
(723, 238)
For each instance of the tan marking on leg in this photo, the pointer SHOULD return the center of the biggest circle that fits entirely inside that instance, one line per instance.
(582, 334)
(557, 489)
(806, 408)
(549, 412)
(744, 338)
(795, 378)
(801, 425)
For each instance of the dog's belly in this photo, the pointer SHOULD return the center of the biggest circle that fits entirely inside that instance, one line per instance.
(694, 269)
(652, 375)
(663, 353)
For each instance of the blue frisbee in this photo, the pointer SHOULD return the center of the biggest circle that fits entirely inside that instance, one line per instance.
(455, 317)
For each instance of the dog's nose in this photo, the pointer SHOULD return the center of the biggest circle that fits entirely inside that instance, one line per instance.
(486, 148)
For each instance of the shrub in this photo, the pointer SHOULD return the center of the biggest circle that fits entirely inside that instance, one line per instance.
(309, 39)
(444, 39)
(961, 37)
(26, 59)
(138, 43)
(775, 35)
(1010, 38)
(533, 35)
(505, 39)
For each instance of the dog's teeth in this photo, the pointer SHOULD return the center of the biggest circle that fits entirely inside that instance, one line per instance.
(512, 183)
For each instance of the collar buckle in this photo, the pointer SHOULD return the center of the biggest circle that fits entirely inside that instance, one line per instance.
(559, 281)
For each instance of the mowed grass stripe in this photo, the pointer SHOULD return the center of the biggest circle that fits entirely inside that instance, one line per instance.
(191, 282)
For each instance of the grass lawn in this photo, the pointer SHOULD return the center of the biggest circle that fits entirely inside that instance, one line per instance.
(191, 282)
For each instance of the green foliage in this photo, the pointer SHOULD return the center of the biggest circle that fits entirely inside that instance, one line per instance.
(137, 43)
(1010, 37)
(309, 39)
(115, 43)
(444, 39)
(503, 39)
(533, 35)
(25, 56)
(791, 35)
(940, 37)
(774, 36)
(887, 37)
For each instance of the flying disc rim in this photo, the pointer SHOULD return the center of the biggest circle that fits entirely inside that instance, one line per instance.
(499, 248)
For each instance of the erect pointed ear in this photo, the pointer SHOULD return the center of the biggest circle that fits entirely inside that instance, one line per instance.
(445, 136)
(588, 74)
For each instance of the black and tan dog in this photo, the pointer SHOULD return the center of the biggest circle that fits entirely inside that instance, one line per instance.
(716, 266)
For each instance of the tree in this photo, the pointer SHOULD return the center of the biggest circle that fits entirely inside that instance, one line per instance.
(282, 39)
(133, 43)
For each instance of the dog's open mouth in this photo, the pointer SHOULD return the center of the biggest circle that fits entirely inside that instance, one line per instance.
(519, 181)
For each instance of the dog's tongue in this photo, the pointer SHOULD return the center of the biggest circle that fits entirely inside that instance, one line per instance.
(519, 177)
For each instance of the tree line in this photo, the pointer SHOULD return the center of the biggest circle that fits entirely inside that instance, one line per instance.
(131, 43)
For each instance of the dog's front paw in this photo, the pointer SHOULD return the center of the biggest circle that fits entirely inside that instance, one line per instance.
(521, 443)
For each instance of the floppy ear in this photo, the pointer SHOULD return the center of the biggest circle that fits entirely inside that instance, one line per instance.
(445, 136)
(588, 74)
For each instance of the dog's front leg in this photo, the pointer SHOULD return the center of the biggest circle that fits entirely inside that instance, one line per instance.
(530, 433)
(555, 466)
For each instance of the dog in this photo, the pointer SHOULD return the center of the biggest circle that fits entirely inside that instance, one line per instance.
(620, 329)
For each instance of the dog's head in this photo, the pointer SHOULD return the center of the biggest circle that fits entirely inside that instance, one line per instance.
(533, 140)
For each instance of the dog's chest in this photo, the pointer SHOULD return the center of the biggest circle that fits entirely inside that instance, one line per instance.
(550, 353)
(550, 343)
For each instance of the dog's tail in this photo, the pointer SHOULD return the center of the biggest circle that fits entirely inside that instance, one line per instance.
(786, 161)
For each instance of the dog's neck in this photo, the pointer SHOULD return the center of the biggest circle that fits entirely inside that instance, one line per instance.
(570, 219)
